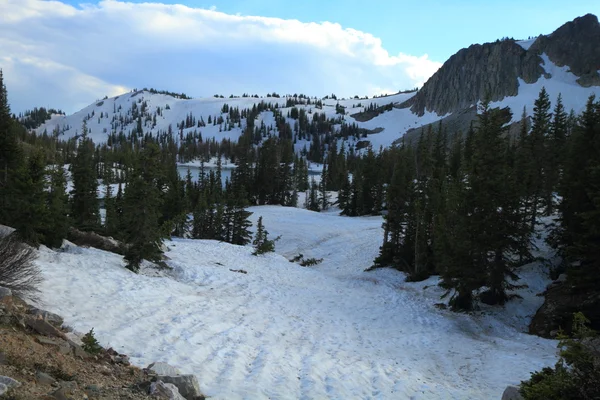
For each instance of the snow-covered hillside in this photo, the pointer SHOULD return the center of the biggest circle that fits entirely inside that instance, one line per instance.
(118, 113)
(281, 331)
(101, 116)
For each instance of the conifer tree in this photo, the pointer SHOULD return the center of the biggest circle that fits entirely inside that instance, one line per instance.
(57, 223)
(141, 210)
(85, 212)
(31, 214)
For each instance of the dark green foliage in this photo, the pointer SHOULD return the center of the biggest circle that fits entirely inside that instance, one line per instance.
(90, 344)
(141, 210)
(56, 224)
(30, 212)
(85, 211)
(261, 241)
(576, 375)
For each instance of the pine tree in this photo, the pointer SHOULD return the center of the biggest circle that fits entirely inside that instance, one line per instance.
(30, 216)
(555, 153)
(56, 226)
(540, 127)
(141, 210)
(10, 159)
(261, 241)
(85, 212)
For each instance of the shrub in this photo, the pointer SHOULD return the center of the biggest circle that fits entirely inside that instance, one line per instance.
(90, 344)
(261, 242)
(17, 270)
(576, 375)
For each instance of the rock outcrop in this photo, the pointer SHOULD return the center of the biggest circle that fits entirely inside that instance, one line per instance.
(562, 301)
(494, 69)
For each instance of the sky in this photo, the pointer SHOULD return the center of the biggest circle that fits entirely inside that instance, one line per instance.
(68, 53)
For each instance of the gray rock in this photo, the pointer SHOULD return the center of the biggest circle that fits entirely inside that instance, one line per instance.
(512, 393)
(43, 327)
(561, 278)
(69, 385)
(9, 382)
(165, 391)
(54, 319)
(3, 389)
(187, 384)
(60, 394)
(43, 378)
(121, 359)
(162, 368)
(5, 292)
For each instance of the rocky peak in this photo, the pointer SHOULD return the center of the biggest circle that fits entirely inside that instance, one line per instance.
(494, 69)
(577, 45)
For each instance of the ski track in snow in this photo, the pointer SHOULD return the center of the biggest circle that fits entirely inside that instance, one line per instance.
(282, 331)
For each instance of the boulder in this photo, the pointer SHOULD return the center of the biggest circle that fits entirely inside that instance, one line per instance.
(562, 301)
(43, 327)
(43, 378)
(187, 384)
(512, 393)
(5, 292)
(162, 368)
(9, 382)
(165, 391)
(47, 316)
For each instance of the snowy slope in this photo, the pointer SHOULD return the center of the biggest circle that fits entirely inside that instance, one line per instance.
(392, 124)
(561, 81)
(282, 331)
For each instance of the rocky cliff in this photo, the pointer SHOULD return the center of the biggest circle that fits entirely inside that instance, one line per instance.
(493, 69)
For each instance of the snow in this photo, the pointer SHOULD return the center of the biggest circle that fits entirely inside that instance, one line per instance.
(561, 81)
(526, 44)
(394, 123)
(282, 331)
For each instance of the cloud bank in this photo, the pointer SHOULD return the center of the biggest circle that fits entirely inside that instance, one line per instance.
(57, 55)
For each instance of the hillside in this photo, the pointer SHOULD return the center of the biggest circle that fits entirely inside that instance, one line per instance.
(279, 330)
(511, 72)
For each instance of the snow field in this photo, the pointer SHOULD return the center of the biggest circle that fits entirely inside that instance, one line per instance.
(282, 331)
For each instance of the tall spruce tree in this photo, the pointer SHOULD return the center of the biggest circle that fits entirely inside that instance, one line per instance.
(85, 212)
(141, 210)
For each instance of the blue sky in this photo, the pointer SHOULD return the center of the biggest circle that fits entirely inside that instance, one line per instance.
(68, 53)
(436, 27)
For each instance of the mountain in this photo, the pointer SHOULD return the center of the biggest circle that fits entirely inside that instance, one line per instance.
(569, 55)
(510, 72)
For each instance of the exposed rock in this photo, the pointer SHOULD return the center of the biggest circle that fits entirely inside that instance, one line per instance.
(162, 368)
(60, 394)
(5, 292)
(562, 301)
(512, 393)
(187, 384)
(52, 318)
(9, 382)
(490, 69)
(69, 386)
(43, 327)
(165, 391)
(43, 378)
(3, 389)
(91, 239)
(494, 69)
(576, 44)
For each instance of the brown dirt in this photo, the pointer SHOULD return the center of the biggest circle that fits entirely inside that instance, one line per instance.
(22, 356)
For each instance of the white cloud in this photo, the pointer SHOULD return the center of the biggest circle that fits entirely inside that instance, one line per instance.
(67, 57)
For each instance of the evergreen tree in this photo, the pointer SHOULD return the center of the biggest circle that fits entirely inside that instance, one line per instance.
(57, 204)
(261, 241)
(141, 210)
(85, 212)
(30, 216)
